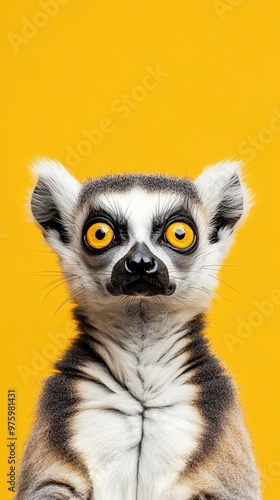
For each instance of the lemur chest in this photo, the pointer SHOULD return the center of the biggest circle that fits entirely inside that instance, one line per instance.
(135, 438)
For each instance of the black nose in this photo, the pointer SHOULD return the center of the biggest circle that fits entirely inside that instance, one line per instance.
(140, 262)
(140, 272)
(141, 266)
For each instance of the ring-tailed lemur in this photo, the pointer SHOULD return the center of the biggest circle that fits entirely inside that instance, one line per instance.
(139, 408)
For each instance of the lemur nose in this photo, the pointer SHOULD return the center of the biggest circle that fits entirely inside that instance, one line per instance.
(142, 266)
(140, 262)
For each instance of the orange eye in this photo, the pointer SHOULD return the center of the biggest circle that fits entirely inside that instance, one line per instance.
(180, 235)
(99, 235)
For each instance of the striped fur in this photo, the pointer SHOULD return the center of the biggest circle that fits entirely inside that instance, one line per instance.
(139, 408)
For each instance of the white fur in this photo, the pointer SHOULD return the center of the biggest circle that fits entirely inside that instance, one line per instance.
(212, 185)
(195, 291)
(65, 191)
(148, 403)
(109, 441)
(139, 206)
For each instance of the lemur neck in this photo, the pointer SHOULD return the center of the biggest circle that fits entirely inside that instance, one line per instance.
(146, 352)
(136, 320)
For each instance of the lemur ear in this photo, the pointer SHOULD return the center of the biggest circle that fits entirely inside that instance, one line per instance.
(54, 198)
(225, 197)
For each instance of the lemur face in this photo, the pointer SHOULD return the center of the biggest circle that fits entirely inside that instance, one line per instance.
(138, 241)
(140, 236)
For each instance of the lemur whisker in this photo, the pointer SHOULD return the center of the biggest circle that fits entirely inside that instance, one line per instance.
(43, 251)
(64, 282)
(41, 273)
(50, 284)
(219, 265)
(211, 276)
(207, 291)
(72, 295)
(225, 283)
(217, 294)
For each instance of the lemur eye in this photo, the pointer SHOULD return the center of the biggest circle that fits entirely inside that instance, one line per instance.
(180, 235)
(99, 235)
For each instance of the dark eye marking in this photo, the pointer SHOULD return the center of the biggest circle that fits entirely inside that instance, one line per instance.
(103, 226)
(182, 216)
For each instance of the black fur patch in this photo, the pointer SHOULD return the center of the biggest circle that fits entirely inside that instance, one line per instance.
(216, 391)
(87, 330)
(82, 351)
(151, 183)
(59, 400)
(57, 406)
(122, 283)
(45, 211)
(204, 496)
(55, 489)
(56, 223)
(229, 209)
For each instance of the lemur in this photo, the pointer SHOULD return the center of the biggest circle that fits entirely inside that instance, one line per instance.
(139, 408)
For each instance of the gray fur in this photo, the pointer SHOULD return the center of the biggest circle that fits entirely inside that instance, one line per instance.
(140, 376)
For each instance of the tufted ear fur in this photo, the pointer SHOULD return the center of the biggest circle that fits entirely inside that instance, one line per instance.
(224, 196)
(54, 199)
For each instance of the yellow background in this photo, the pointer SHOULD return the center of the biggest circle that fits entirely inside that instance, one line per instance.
(220, 94)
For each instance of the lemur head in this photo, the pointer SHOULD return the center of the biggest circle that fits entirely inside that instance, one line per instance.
(140, 236)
